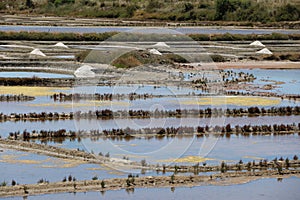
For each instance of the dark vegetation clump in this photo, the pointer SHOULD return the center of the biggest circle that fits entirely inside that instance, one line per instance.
(247, 11)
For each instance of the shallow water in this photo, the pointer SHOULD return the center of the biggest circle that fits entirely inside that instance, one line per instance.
(185, 30)
(267, 189)
(290, 85)
(154, 150)
(45, 104)
(159, 150)
(87, 125)
(31, 74)
(289, 77)
(28, 168)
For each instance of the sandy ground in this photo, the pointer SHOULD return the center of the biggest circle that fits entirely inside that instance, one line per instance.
(258, 64)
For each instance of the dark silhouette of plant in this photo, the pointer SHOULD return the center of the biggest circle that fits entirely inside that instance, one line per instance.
(295, 157)
(287, 163)
(13, 182)
(143, 163)
(102, 184)
(4, 183)
(172, 178)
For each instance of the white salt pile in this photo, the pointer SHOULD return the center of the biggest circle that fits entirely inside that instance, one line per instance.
(155, 52)
(257, 43)
(37, 52)
(60, 44)
(161, 44)
(84, 71)
(264, 51)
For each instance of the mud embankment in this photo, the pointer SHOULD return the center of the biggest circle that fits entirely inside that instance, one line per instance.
(20, 97)
(62, 152)
(130, 183)
(62, 97)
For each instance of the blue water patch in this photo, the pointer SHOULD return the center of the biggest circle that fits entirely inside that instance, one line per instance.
(14, 74)
(185, 30)
(286, 81)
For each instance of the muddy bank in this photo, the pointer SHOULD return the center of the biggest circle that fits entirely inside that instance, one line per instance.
(227, 178)
(17, 98)
(76, 97)
(64, 153)
(258, 65)
(70, 82)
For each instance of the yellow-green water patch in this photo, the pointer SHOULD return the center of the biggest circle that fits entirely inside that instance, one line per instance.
(253, 157)
(233, 100)
(187, 159)
(31, 91)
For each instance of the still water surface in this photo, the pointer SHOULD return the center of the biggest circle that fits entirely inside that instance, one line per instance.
(185, 30)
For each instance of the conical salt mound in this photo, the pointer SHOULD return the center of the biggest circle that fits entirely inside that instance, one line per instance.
(257, 43)
(265, 51)
(37, 52)
(84, 71)
(161, 44)
(60, 44)
(155, 52)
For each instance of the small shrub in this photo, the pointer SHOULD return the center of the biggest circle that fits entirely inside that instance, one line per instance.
(4, 183)
(143, 162)
(217, 58)
(102, 184)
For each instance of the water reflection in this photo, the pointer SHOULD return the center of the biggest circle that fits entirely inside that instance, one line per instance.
(93, 124)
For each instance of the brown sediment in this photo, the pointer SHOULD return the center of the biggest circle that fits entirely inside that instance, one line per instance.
(258, 64)
(61, 152)
(227, 178)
